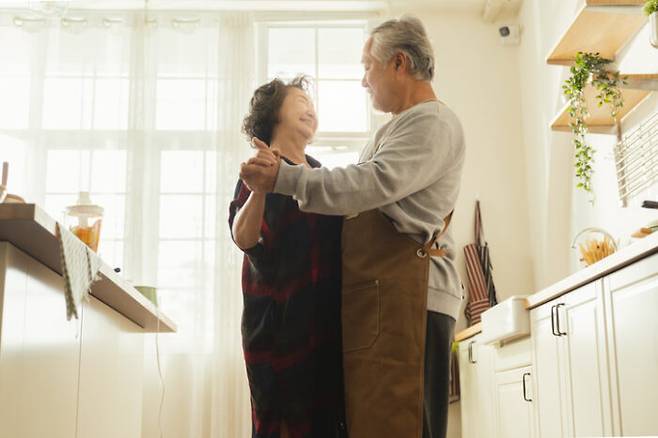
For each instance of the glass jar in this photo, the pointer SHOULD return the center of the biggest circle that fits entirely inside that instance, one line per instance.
(84, 220)
(594, 244)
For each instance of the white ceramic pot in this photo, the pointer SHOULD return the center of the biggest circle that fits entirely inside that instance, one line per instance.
(653, 23)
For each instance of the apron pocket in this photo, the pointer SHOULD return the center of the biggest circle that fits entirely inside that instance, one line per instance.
(360, 314)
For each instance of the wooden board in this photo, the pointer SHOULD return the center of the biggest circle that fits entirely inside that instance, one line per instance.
(469, 332)
(595, 31)
(30, 229)
(599, 120)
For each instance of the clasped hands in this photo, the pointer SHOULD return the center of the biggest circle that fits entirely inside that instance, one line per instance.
(260, 171)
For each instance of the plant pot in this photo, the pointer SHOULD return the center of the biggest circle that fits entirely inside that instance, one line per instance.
(653, 23)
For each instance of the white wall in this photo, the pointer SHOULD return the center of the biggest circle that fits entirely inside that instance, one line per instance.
(557, 210)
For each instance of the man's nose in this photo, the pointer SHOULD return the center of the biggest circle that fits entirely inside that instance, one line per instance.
(364, 83)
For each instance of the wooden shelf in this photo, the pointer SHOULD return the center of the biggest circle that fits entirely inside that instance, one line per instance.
(599, 120)
(603, 26)
(30, 229)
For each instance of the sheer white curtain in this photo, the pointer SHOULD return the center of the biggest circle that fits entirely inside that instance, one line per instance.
(144, 110)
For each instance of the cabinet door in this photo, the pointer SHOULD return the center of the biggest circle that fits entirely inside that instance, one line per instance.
(111, 374)
(548, 374)
(39, 352)
(582, 326)
(513, 404)
(475, 376)
(468, 388)
(632, 302)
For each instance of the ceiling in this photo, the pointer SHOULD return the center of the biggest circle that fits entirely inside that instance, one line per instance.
(349, 5)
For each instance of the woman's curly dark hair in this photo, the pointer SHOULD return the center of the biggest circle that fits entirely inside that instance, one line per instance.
(265, 105)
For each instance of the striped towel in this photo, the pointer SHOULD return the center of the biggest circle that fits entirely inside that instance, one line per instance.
(80, 266)
(481, 288)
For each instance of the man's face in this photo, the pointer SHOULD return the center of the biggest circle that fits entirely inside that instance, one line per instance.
(379, 80)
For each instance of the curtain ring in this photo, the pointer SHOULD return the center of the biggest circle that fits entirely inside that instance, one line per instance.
(421, 253)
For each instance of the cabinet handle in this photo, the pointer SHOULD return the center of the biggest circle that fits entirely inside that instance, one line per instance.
(525, 396)
(557, 320)
(470, 352)
(553, 321)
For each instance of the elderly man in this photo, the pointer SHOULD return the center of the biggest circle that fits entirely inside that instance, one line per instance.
(401, 292)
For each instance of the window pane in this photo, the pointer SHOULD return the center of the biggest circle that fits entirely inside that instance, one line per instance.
(111, 252)
(181, 172)
(181, 216)
(16, 48)
(180, 264)
(291, 52)
(181, 104)
(67, 103)
(210, 221)
(65, 171)
(342, 106)
(331, 158)
(56, 205)
(15, 152)
(108, 171)
(14, 102)
(114, 207)
(184, 53)
(340, 53)
(111, 104)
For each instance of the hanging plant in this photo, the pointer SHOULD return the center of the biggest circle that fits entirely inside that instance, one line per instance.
(589, 67)
(650, 6)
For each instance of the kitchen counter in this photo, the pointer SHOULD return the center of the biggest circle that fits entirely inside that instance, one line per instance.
(624, 257)
(30, 229)
(468, 332)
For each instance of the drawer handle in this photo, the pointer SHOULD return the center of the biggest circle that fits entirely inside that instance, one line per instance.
(553, 321)
(525, 395)
(557, 320)
(470, 352)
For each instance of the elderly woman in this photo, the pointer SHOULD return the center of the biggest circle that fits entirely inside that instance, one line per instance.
(291, 283)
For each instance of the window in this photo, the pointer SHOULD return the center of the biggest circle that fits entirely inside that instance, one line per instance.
(331, 54)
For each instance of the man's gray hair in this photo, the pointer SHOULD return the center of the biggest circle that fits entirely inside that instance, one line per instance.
(407, 35)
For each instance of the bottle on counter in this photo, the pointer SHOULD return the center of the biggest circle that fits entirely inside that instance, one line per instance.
(84, 220)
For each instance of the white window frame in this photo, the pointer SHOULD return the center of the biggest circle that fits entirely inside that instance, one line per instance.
(340, 141)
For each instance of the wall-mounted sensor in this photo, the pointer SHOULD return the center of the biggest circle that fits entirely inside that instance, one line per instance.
(510, 34)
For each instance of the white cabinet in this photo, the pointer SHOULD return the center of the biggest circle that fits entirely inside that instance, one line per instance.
(547, 374)
(631, 296)
(39, 351)
(570, 359)
(514, 410)
(476, 373)
(58, 378)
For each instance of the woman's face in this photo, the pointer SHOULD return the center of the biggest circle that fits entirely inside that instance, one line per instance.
(297, 115)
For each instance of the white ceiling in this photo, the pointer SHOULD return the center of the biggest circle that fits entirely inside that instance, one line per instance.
(297, 5)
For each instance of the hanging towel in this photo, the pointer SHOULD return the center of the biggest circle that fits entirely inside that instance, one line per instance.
(481, 288)
(80, 266)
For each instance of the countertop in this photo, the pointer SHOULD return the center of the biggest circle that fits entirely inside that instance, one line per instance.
(614, 262)
(625, 256)
(30, 229)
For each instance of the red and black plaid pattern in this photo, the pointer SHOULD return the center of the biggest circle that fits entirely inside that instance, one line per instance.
(291, 320)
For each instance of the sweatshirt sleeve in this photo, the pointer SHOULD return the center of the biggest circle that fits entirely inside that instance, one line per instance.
(418, 152)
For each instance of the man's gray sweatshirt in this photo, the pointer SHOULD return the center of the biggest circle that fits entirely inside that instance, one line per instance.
(411, 172)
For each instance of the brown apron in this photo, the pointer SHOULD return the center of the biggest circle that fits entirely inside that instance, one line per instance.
(384, 313)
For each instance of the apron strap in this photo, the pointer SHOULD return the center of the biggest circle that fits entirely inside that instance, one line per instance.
(438, 252)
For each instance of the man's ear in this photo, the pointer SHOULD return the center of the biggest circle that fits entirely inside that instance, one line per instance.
(399, 61)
